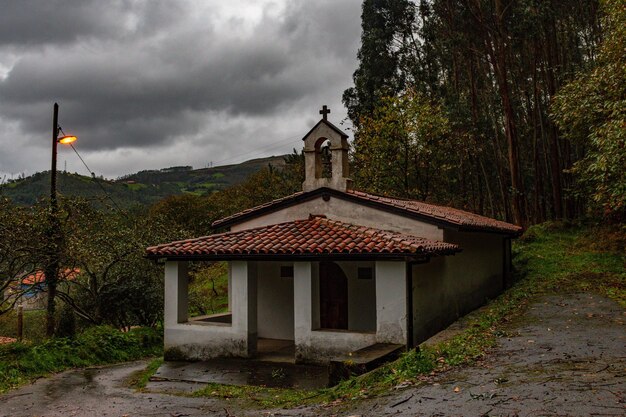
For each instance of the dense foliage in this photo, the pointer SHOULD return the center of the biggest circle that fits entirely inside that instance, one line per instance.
(116, 284)
(405, 146)
(591, 111)
(494, 67)
(22, 248)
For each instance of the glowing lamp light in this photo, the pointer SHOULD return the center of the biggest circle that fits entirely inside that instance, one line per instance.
(67, 139)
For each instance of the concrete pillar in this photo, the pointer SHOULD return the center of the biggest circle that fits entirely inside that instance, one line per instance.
(391, 314)
(244, 302)
(230, 286)
(176, 292)
(303, 308)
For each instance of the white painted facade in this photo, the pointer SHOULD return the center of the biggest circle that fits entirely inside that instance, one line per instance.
(348, 212)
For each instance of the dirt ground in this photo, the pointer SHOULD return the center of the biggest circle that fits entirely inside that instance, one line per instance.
(566, 356)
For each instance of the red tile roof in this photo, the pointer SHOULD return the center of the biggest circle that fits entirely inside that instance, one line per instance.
(440, 214)
(314, 236)
(443, 213)
(39, 277)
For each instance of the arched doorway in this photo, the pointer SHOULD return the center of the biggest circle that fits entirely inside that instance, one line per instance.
(333, 296)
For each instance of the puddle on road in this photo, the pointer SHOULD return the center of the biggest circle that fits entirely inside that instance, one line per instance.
(245, 372)
(69, 381)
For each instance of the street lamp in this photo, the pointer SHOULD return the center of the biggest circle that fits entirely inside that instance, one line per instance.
(51, 269)
(66, 140)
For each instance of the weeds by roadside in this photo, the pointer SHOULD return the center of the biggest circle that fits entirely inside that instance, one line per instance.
(21, 363)
(139, 380)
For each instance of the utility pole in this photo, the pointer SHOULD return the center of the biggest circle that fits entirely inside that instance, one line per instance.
(51, 270)
(53, 169)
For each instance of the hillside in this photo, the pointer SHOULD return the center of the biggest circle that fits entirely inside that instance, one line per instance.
(144, 187)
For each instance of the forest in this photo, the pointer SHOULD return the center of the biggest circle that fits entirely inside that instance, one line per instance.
(514, 109)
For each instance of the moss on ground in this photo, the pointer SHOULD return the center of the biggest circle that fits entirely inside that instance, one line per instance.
(139, 379)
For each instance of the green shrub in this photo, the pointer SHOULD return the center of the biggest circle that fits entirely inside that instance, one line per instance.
(23, 362)
(34, 325)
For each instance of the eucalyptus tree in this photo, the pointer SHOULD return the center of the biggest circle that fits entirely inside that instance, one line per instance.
(591, 110)
(495, 66)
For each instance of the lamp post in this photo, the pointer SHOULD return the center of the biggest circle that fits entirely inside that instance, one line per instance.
(51, 269)
(65, 139)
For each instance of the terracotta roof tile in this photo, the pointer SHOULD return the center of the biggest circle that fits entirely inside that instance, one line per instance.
(442, 213)
(314, 236)
(39, 277)
(449, 215)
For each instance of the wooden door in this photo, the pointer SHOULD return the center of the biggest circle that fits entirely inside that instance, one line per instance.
(333, 296)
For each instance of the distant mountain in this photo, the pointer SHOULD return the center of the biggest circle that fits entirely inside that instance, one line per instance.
(143, 187)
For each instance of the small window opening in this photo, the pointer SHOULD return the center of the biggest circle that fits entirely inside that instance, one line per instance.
(327, 163)
(286, 271)
(365, 273)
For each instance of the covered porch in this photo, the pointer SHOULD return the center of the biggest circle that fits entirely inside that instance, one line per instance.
(300, 312)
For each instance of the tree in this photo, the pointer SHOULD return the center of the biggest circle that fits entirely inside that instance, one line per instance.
(386, 26)
(405, 149)
(188, 212)
(116, 284)
(494, 66)
(21, 246)
(591, 111)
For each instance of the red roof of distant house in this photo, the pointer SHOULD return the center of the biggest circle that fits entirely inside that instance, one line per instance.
(314, 236)
(39, 277)
(412, 208)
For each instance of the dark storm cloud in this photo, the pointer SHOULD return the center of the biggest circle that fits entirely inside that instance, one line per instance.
(43, 22)
(142, 74)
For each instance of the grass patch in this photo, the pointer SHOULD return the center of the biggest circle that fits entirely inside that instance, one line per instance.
(34, 328)
(208, 289)
(548, 258)
(21, 363)
(135, 186)
(140, 379)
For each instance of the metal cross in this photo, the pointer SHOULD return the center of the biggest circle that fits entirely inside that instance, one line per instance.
(324, 112)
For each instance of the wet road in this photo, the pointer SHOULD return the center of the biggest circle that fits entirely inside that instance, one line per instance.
(566, 356)
(99, 392)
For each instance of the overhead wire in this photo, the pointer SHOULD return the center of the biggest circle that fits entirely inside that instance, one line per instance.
(93, 175)
(260, 150)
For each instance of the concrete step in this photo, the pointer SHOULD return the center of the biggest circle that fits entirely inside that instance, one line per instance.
(362, 361)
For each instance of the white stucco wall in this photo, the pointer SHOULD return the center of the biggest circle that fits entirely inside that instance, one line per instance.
(275, 302)
(176, 293)
(199, 341)
(318, 346)
(345, 211)
(391, 302)
(361, 297)
(448, 287)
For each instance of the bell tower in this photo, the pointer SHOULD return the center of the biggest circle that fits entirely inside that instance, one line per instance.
(326, 156)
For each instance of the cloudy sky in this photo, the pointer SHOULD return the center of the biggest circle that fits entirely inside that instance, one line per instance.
(148, 84)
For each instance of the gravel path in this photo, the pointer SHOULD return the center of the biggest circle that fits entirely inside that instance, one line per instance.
(565, 357)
